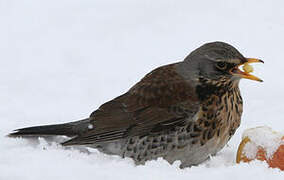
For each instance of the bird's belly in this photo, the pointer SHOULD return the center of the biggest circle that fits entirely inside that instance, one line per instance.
(176, 145)
(194, 154)
(172, 147)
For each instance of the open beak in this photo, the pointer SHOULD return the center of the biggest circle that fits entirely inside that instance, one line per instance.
(237, 72)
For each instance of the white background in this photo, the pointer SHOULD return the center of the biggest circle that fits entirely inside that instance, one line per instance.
(61, 59)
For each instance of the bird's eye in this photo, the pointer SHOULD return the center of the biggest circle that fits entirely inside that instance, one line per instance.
(221, 65)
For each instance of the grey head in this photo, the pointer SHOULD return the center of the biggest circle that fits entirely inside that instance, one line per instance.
(217, 61)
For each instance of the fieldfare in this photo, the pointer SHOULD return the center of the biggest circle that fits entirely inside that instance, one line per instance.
(184, 111)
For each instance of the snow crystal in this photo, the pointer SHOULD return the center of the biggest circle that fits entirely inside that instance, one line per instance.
(250, 150)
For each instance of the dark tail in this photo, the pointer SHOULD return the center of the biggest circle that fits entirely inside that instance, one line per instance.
(66, 129)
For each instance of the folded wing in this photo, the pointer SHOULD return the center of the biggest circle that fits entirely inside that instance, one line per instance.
(160, 101)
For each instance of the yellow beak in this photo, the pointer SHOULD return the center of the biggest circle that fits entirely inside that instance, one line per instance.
(236, 71)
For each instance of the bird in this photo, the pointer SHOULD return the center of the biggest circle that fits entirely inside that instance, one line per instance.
(186, 111)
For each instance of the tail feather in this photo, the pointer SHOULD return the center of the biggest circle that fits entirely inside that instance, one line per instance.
(60, 129)
(66, 129)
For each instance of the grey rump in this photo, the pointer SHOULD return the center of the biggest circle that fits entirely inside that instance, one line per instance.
(184, 111)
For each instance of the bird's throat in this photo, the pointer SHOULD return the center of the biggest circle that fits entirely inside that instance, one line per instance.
(207, 87)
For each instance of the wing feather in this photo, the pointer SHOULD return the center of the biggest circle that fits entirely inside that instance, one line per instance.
(147, 108)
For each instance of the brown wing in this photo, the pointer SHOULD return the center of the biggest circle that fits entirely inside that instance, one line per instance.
(161, 100)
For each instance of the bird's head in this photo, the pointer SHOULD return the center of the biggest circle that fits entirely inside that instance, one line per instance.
(218, 61)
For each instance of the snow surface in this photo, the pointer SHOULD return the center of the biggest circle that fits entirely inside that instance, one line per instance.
(263, 137)
(61, 59)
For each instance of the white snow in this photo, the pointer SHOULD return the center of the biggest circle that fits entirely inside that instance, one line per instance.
(263, 137)
(61, 59)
